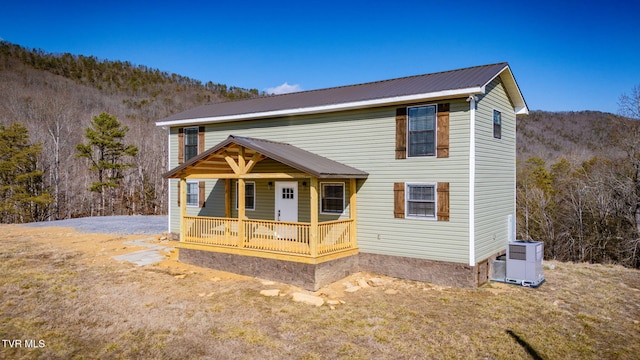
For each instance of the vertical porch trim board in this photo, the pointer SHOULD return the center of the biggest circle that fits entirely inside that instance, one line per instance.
(353, 212)
(183, 207)
(313, 204)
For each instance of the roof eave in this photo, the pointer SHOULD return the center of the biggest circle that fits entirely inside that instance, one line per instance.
(327, 108)
(513, 90)
(343, 176)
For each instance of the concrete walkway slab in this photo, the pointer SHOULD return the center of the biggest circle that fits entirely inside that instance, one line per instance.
(155, 253)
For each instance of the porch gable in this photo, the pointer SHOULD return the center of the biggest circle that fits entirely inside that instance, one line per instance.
(236, 156)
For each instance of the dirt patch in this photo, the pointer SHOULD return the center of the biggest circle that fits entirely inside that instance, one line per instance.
(65, 289)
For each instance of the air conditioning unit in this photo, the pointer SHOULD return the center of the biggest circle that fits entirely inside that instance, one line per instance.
(524, 263)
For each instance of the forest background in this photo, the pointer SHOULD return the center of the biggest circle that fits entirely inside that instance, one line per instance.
(578, 173)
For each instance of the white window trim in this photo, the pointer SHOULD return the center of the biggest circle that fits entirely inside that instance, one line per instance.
(344, 190)
(493, 134)
(435, 201)
(255, 195)
(197, 185)
(435, 134)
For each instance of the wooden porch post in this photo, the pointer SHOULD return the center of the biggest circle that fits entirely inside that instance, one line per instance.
(352, 212)
(241, 199)
(313, 229)
(241, 212)
(183, 208)
(227, 207)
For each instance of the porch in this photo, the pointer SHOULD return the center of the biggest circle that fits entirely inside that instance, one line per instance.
(274, 232)
(292, 241)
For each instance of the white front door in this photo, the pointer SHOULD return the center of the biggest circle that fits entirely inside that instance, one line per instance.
(286, 201)
(286, 206)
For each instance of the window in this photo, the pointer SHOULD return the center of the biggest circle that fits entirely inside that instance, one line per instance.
(249, 195)
(421, 132)
(332, 198)
(421, 200)
(288, 193)
(497, 124)
(193, 192)
(190, 142)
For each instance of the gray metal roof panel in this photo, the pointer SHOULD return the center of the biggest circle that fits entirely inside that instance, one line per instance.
(295, 157)
(420, 84)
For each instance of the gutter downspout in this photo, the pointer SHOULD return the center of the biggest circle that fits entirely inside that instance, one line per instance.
(472, 179)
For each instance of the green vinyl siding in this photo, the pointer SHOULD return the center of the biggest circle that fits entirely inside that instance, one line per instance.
(495, 172)
(365, 139)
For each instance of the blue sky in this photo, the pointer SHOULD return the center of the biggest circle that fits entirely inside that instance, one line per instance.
(571, 56)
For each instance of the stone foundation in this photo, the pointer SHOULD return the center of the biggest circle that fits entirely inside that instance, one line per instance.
(435, 272)
(308, 276)
(314, 276)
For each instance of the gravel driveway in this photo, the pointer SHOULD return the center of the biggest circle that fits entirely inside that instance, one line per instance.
(122, 225)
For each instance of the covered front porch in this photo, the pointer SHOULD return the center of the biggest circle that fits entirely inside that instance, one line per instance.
(280, 202)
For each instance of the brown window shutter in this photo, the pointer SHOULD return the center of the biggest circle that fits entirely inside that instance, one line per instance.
(443, 131)
(398, 200)
(180, 145)
(201, 194)
(178, 193)
(200, 139)
(401, 133)
(443, 201)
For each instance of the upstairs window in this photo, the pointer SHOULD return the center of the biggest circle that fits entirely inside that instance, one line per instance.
(421, 133)
(497, 124)
(190, 142)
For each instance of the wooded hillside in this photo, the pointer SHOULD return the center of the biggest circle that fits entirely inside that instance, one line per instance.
(552, 135)
(55, 96)
(578, 185)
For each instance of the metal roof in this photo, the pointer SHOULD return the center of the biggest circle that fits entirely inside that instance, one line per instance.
(299, 159)
(442, 84)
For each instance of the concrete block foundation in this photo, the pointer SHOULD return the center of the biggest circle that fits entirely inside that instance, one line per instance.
(314, 276)
(307, 276)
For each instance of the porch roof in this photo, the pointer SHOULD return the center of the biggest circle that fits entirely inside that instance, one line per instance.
(215, 159)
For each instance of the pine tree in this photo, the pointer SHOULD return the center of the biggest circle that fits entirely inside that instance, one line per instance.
(105, 152)
(22, 197)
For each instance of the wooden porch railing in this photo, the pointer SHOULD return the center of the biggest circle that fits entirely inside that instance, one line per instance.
(211, 230)
(286, 237)
(271, 236)
(334, 236)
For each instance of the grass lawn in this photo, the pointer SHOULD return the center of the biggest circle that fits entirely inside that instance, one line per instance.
(62, 290)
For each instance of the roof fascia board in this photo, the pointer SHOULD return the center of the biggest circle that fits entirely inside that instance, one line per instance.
(513, 90)
(326, 108)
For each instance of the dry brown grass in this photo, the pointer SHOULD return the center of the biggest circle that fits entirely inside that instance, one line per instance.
(62, 287)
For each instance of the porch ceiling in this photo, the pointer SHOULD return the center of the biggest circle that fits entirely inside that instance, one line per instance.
(236, 156)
